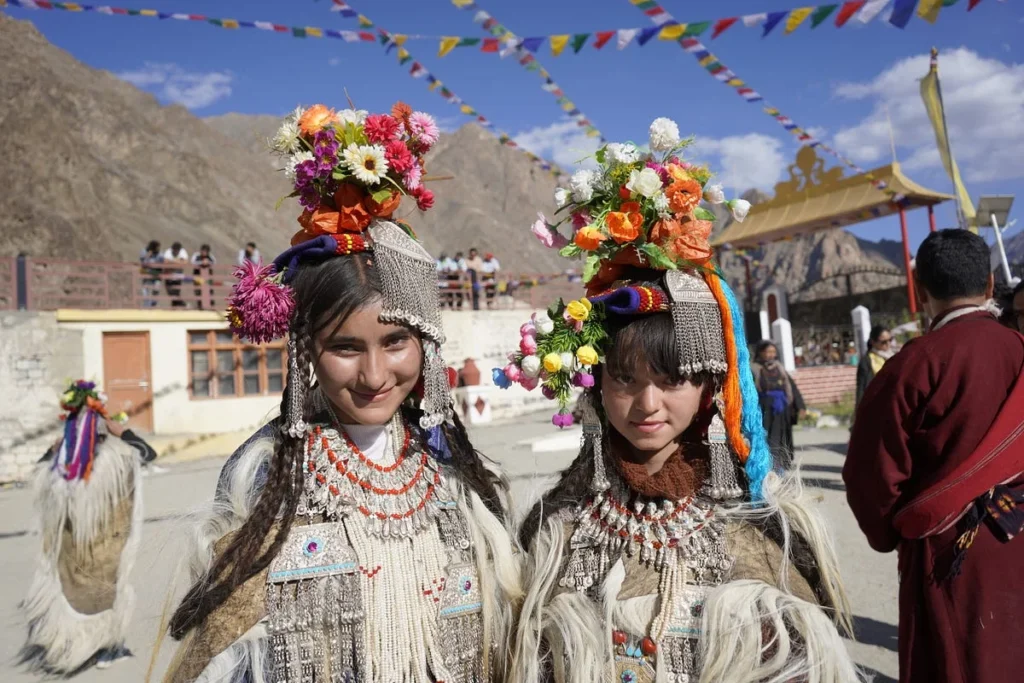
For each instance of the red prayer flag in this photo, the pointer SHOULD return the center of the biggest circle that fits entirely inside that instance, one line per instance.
(602, 38)
(972, 4)
(847, 11)
(490, 45)
(367, 37)
(721, 25)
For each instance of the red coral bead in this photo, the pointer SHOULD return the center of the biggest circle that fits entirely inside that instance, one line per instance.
(648, 646)
(619, 637)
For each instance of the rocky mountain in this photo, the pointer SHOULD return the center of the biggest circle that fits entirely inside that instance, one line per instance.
(94, 168)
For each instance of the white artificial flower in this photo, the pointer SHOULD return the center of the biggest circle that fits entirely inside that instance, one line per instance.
(296, 115)
(296, 159)
(286, 140)
(353, 116)
(530, 366)
(714, 194)
(366, 162)
(544, 324)
(620, 153)
(661, 205)
(568, 361)
(561, 197)
(582, 184)
(644, 182)
(740, 208)
(664, 134)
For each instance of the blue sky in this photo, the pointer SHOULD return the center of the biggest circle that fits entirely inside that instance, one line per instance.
(837, 82)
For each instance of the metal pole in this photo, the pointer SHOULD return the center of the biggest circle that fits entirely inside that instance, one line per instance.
(1002, 251)
(931, 218)
(911, 297)
(21, 281)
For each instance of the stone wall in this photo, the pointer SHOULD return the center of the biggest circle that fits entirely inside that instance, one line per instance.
(36, 359)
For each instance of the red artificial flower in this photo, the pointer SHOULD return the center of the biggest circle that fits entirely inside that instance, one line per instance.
(381, 129)
(400, 159)
(424, 198)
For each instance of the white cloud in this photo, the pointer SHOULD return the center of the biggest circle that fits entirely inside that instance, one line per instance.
(563, 142)
(742, 162)
(334, 61)
(171, 83)
(449, 124)
(984, 102)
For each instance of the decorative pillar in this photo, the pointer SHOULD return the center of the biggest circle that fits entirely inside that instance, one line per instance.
(861, 328)
(782, 336)
(766, 326)
(911, 296)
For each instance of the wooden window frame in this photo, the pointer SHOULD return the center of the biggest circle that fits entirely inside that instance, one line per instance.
(212, 345)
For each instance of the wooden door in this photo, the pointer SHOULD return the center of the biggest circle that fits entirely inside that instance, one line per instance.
(127, 379)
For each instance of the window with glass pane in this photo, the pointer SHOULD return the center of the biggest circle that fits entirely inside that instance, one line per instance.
(250, 371)
(225, 338)
(199, 338)
(274, 361)
(221, 366)
(225, 372)
(200, 373)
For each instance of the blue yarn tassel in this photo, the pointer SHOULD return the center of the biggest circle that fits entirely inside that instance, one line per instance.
(438, 444)
(759, 463)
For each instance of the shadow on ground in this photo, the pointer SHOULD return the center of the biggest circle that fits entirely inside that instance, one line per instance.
(830, 484)
(873, 632)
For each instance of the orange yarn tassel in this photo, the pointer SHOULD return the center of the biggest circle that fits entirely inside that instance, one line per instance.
(731, 390)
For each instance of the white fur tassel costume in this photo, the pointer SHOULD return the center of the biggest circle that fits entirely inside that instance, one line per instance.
(80, 601)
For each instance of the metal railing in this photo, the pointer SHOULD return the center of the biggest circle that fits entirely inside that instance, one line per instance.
(49, 284)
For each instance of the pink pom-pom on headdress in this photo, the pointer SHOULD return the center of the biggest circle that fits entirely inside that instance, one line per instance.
(260, 307)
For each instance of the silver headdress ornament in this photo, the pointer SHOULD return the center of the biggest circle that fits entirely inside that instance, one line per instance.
(698, 323)
(593, 434)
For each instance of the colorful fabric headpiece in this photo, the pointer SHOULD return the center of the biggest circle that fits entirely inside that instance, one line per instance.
(84, 409)
(351, 170)
(638, 215)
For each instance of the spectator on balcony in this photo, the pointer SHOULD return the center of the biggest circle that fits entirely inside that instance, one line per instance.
(250, 254)
(203, 262)
(475, 269)
(459, 279)
(490, 270)
(175, 276)
(781, 402)
(880, 349)
(151, 276)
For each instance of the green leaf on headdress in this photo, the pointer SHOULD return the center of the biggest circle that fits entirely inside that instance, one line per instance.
(591, 266)
(339, 173)
(658, 258)
(599, 155)
(700, 213)
(555, 310)
(570, 251)
(382, 195)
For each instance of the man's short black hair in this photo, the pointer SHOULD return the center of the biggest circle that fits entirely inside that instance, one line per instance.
(953, 264)
(251, 245)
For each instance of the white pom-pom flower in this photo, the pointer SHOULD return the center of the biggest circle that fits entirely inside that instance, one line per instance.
(714, 194)
(561, 197)
(544, 324)
(286, 140)
(582, 185)
(568, 361)
(354, 116)
(530, 366)
(661, 205)
(644, 182)
(740, 208)
(664, 134)
(622, 153)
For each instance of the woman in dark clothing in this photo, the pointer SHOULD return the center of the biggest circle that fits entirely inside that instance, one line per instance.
(879, 350)
(781, 402)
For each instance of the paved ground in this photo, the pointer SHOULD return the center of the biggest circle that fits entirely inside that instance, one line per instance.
(530, 452)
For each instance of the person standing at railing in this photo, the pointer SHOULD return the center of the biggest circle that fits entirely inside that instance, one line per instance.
(475, 269)
(203, 262)
(151, 283)
(250, 254)
(175, 276)
(490, 270)
(460, 278)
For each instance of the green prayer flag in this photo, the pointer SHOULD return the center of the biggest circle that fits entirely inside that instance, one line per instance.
(215, 22)
(406, 58)
(579, 40)
(299, 32)
(696, 29)
(133, 12)
(822, 13)
(468, 42)
(949, 3)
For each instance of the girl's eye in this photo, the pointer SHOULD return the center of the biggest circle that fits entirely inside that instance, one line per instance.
(623, 379)
(396, 342)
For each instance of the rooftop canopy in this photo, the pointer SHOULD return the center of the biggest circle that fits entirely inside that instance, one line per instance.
(814, 199)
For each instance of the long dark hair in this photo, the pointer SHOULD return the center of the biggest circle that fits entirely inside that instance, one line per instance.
(650, 339)
(326, 292)
(876, 332)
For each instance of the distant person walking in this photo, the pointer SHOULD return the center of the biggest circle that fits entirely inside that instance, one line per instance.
(250, 254)
(781, 402)
(935, 471)
(880, 349)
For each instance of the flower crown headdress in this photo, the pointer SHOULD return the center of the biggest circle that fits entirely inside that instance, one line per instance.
(637, 212)
(350, 171)
(84, 408)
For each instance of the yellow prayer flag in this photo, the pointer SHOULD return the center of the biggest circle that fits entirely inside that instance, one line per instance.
(69, 6)
(672, 32)
(399, 38)
(364, 22)
(933, 105)
(448, 44)
(229, 23)
(558, 44)
(435, 85)
(593, 133)
(797, 17)
(708, 60)
(142, 12)
(735, 82)
(462, 3)
(403, 53)
(568, 106)
(314, 32)
(929, 10)
(466, 109)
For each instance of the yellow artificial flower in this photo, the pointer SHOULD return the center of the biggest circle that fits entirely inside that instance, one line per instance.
(586, 302)
(578, 311)
(586, 355)
(552, 362)
(68, 397)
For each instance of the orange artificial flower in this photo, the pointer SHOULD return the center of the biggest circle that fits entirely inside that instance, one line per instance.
(301, 236)
(684, 238)
(385, 208)
(684, 195)
(349, 200)
(323, 221)
(589, 238)
(401, 111)
(624, 226)
(677, 172)
(624, 192)
(316, 118)
(615, 269)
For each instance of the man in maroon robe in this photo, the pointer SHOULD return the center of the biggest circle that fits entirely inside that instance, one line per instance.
(935, 469)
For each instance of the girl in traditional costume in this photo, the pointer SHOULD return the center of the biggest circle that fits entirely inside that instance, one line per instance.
(357, 537)
(89, 502)
(669, 550)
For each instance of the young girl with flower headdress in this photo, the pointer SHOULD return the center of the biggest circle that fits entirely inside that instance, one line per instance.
(358, 536)
(669, 550)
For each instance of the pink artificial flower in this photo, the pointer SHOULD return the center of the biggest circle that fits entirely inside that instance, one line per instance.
(513, 373)
(424, 129)
(529, 383)
(547, 235)
(576, 325)
(413, 178)
(662, 172)
(424, 198)
(581, 219)
(528, 345)
(260, 308)
(381, 129)
(562, 420)
(511, 356)
(399, 158)
(528, 329)
(583, 379)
